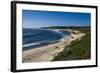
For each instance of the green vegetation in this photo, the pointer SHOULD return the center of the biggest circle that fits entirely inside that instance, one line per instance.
(77, 50)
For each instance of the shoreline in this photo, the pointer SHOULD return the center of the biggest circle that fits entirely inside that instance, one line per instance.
(47, 53)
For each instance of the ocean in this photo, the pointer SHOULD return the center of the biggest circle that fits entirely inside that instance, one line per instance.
(33, 38)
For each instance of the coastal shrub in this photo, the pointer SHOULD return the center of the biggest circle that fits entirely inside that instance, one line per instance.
(77, 50)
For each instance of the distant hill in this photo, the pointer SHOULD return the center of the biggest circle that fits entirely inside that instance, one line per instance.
(65, 27)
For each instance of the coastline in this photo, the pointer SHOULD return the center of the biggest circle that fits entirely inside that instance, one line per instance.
(47, 53)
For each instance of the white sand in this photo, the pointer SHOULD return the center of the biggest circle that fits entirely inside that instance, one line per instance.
(47, 53)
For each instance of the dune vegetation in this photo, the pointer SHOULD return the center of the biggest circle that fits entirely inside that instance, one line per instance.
(78, 49)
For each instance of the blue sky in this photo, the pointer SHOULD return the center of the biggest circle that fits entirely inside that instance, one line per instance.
(38, 19)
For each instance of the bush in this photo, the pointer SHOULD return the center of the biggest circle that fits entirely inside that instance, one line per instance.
(77, 50)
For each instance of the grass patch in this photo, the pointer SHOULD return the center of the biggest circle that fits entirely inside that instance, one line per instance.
(77, 50)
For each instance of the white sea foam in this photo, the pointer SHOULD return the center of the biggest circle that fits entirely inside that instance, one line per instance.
(59, 32)
(30, 44)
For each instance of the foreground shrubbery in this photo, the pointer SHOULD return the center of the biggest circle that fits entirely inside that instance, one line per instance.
(77, 50)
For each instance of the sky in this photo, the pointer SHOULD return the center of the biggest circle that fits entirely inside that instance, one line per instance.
(39, 19)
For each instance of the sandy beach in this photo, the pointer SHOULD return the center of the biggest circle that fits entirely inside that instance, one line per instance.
(48, 52)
